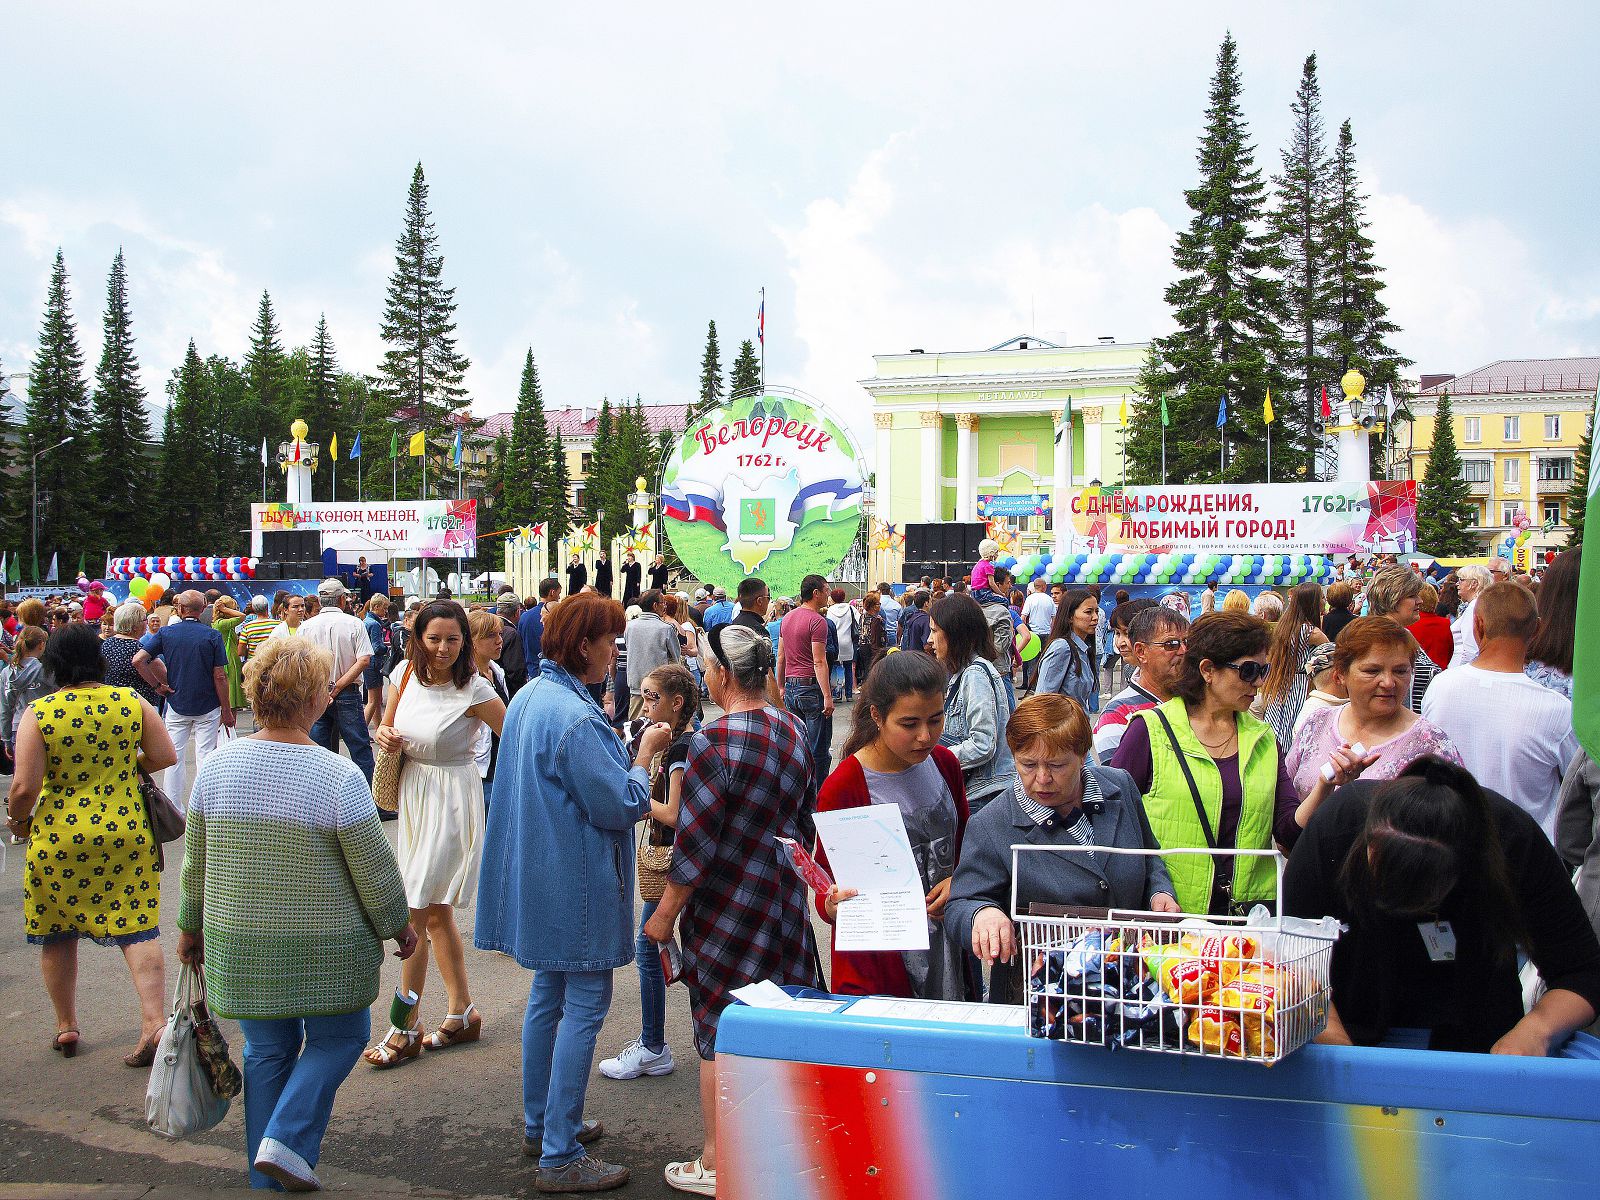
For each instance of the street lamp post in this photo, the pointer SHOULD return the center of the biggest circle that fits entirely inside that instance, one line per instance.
(35, 469)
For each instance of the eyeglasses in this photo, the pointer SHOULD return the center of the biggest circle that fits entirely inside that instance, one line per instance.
(648, 696)
(1171, 645)
(1250, 671)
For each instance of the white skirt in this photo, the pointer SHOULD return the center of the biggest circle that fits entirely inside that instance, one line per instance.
(441, 832)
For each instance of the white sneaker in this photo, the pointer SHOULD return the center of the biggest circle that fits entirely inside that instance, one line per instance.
(635, 1060)
(277, 1161)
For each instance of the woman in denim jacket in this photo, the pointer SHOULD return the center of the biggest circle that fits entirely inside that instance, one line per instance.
(976, 707)
(556, 890)
(1069, 665)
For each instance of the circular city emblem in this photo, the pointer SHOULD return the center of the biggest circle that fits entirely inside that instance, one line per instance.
(767, 485)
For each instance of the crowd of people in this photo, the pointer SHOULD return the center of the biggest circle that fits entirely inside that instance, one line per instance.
(560, 752)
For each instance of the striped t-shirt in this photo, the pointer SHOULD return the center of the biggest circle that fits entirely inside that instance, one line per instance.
(252, 632)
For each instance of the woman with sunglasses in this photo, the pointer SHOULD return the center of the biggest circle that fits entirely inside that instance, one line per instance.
(1210, 773)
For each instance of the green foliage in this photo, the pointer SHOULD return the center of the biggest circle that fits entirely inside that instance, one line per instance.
(530, 468)
(1227, 304)
(559, 498)
(744, 379)
(14, 491)
(493, 512)
(422, 371)
(58, 408)
(119, 453)
(1445, 507)
(710, 375)
(1578, 493)
(317, 403)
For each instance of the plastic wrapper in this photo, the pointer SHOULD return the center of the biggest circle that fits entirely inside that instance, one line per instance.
(1256, 995)
(1216, 1032)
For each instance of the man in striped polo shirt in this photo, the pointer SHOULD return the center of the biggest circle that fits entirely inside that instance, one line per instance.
(255, 629)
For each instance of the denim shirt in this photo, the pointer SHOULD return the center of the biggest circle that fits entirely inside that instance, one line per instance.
(975, 714)
(556, 889)
(1055, 673)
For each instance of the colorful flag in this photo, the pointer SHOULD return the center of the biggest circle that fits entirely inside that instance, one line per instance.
(1222, 410)
(355, 450)
(761, 319)
(333, 447)
(1327, 409)
(83, 558)
(418, 446)
(1586, 650)
(50, 576)
(16, 569)
(296, 456)
(456, 454)
(1122, 417)
(394, 444)
(1165, 420)
(1266, 409)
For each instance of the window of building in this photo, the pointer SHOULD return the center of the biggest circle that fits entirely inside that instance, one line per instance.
(1472, 429)
(1512, 472)
(1552, 512)
(1508, 512)
(1477, 470)
(586, 463)
(1552, 427)
(1513, 430)
(1556, 468)
(1477, 515)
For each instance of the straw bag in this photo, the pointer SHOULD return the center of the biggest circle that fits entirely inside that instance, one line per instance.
(387, 764)
(654, 861)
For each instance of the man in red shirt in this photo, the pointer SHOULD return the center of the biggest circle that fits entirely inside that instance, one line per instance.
(803, 667)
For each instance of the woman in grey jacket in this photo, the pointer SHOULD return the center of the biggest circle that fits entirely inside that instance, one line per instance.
(976, 706)
(1056, 799)
(24, 683)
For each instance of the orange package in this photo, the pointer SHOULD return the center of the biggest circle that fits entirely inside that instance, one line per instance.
(1226, 955)
(1216, 1033)
(1254, 998)
(1179, 971)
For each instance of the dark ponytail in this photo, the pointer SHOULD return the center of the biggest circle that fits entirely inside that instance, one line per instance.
(891, 678)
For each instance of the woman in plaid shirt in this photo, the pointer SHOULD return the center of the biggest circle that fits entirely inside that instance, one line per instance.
(749, 781)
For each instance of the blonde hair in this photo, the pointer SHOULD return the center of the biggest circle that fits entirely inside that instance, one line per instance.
(1237, 600)
(378, 606)
(283, 679)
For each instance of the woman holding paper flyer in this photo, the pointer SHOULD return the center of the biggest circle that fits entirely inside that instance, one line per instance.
(749, 782)
(893, 757)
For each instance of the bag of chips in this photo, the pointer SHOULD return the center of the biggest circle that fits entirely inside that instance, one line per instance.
(1255, 997)
(1214, 1032)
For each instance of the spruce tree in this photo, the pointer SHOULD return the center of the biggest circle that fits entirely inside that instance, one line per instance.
(1227, 304)
(1359, 325)
(527, 471)
(493, 512)
(117, 456)
(422, 371)
(188, 443)
(1299, 223)
(1578, 493)
(744, 378)
(1445, 507)
(558, 501)
(599, 488)
(235, 451)
(14, 492)
(266, 408)
(710, 375)
(318, 403)
(58, 408)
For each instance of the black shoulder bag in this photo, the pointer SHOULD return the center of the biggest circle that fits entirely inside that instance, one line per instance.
(1222, 865)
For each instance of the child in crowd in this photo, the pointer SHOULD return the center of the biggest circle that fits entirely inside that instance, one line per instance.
(988, 551)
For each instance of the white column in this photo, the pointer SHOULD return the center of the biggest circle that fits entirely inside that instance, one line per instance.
(884, 422)
(1063, 483)
(966, 468)
(1092, 446)
(932, 426)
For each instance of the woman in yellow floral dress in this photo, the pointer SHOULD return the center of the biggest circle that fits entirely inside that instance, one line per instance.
(92, 861)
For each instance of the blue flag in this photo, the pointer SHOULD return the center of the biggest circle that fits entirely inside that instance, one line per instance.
(1222, 410)
(355, 450)
(456, 454)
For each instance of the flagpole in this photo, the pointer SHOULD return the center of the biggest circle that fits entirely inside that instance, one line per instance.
(334, 493)
(762, 331)
(1269, 451)
(1163, 454)
(359, 497)
(394, 474)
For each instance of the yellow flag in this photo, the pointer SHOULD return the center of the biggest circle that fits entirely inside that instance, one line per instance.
(333, 446)
(419, 445)
(1266, 409)
(1124, 418)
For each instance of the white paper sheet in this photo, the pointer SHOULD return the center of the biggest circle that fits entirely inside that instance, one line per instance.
(946, 1012)
(767, 994)
(868, 850)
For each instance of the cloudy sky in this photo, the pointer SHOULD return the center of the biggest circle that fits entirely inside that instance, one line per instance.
(607, 178)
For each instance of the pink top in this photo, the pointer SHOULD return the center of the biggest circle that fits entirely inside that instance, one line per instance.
(1319, 738)
(801, 629)
(982, 573)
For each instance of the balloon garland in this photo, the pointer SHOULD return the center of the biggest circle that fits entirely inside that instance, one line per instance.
(1173, 567)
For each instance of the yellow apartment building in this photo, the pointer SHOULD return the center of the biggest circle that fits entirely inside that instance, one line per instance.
(1517, 423)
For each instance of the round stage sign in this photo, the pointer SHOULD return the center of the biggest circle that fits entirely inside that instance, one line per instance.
(765, 485)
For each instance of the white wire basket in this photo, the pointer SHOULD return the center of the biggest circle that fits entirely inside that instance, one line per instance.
(1246, 989)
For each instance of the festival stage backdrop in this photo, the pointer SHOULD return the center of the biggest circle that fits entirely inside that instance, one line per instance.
(767, 485)
(404, 528)
(1255, 518)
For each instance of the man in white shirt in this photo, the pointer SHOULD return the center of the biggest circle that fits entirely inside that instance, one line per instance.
(1038, 614)
(1470, 581)
(345, 637)
(1514, 735)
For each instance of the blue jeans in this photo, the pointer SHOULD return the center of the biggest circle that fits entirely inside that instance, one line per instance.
(565, 1012)
(652, 986)
(346, 718)
(803, 699)
(292, 1068)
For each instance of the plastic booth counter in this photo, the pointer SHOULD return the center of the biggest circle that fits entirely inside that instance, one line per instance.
(880, 1099)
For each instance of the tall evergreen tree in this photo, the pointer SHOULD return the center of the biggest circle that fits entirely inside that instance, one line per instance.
(118, 457)
(1299, 222)
(710, 375)
(558, 513)
(235, 455)
(1359, 327)
(1578, 493)
(527, 471)
(422, 371)
(1445, 507)
(58, 408)
(318, 402)
(187, 440)
(493, 512)
(744, 377)
(266, 407)
(13, 484)
(1227, 304)
(600, 488)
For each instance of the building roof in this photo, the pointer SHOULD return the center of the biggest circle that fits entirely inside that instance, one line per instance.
(583, 422)
(1522, 376)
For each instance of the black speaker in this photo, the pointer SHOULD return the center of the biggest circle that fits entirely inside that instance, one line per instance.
(268, 569)
(918, 537)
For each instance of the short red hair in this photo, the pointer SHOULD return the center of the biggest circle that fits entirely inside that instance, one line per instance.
(1058, 719)
(576, 620)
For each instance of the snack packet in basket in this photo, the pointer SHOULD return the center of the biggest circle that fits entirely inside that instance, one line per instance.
(1255, 995)
(1215, 1032)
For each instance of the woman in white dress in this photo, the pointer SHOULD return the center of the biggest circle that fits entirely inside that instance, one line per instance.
(437, 704)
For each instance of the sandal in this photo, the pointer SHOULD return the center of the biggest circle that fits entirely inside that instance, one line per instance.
(143, 1054)
(691, 1177)
(469, 1031)
(64, 1048)
(386, 1054)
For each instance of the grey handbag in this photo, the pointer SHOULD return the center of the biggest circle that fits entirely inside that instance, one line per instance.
(181, 1100)
(167, 821)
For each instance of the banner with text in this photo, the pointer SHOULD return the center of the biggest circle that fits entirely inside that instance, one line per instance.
(1379, 517)
(405, 528)
(1007, 504)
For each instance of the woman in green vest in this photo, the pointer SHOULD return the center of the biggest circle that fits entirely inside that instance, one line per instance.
(1235, 792)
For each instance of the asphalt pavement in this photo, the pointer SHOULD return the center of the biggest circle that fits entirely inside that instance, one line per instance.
(445, 1124)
